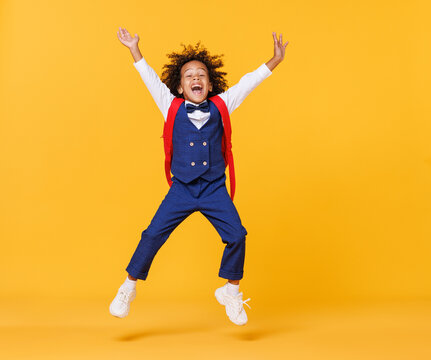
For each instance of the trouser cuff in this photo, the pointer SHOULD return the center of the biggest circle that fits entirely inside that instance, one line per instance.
(230, 275)
(137, 274)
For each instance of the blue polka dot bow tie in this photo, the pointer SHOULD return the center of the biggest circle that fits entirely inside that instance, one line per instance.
(204, 107)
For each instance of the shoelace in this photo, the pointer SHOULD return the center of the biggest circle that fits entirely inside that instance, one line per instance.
(244, 302)
(237, 302)
(124, 296)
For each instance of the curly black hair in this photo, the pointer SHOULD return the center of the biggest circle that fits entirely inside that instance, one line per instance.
(171, 74)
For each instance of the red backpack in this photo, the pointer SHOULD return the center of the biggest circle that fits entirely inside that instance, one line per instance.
(226, 144)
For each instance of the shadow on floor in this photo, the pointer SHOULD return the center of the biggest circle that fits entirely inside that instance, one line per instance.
(241, 332)
(161, 331)
(257, 333)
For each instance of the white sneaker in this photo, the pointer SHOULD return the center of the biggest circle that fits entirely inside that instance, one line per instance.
(120, 306)
(234, 305)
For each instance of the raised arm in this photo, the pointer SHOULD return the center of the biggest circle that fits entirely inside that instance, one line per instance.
(279, 51)
(158, 90)
(236, 94)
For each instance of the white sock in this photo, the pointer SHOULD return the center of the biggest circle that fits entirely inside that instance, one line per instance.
(232, 289)
(130, 284)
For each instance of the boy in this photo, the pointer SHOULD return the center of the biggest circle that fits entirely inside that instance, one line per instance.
(198, 163)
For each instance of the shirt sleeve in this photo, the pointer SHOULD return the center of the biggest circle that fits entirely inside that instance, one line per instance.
(236, 94)
(158, 90)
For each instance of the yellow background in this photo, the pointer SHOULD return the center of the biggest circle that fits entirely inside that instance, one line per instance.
(332, 151)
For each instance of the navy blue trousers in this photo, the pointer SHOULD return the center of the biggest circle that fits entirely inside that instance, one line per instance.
(214, 202)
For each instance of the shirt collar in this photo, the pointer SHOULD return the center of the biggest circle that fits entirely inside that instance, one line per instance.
(189, 102)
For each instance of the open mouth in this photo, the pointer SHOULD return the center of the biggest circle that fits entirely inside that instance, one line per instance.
(197, 90)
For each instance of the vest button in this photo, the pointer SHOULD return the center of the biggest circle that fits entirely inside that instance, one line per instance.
(204, 143)
(191, 144)
(204, 163)
(193, 163)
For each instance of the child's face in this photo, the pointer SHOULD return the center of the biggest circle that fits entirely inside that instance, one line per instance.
(195, 82)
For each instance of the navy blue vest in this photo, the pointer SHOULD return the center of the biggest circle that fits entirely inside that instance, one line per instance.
(197, 152)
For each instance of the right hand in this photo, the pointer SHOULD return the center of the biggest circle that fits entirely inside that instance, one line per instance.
(127, 39)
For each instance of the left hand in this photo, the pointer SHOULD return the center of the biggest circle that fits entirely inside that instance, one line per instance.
(279, 48)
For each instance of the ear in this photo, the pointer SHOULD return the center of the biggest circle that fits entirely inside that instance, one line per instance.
(211, 87)
(180, 89)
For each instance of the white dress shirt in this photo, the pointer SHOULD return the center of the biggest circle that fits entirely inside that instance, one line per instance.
(232, 97)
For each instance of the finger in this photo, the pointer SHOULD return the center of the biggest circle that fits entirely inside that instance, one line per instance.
(274, 36)
(287, 42)
(120, 38)
(281, 39)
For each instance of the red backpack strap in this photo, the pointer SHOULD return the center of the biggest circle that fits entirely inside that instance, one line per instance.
(168, 129)
(226, 140)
